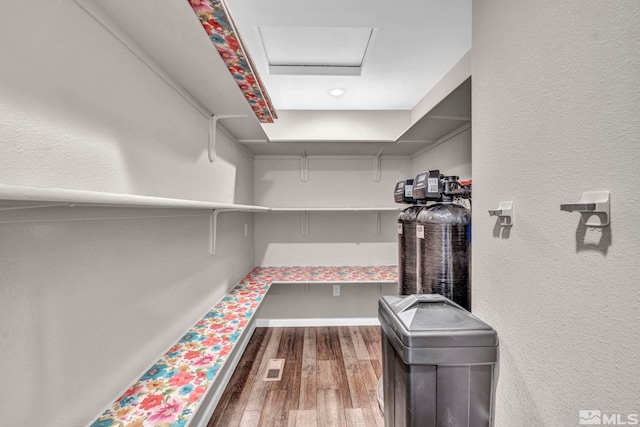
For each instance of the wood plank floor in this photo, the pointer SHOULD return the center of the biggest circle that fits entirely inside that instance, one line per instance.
(329, 379)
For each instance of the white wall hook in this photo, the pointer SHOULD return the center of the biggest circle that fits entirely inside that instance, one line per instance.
(594, 207)
(504, 212)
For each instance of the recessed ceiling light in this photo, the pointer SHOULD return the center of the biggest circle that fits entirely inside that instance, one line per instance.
(337, 91)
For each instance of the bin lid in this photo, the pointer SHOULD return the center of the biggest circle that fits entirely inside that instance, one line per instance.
(428, 321)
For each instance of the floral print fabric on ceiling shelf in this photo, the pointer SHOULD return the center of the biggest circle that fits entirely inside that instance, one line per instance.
(218, 24)
(169, 393)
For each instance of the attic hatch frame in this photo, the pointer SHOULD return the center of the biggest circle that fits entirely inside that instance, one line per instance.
(302, 67)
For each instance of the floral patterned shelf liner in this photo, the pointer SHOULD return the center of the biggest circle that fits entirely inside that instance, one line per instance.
(217, 22)
(169, 393)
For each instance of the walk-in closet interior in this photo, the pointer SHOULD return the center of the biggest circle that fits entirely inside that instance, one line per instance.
(199, 223)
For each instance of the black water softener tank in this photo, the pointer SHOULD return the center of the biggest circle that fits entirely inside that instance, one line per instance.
(442, 249)
(407, 268)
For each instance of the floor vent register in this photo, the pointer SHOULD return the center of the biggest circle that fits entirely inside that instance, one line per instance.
(274, 370)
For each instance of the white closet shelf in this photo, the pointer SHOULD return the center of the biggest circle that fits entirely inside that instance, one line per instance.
(18, 196)
(340, 209)
(23, 197)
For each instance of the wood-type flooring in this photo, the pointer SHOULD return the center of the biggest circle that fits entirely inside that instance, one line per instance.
(329, 379)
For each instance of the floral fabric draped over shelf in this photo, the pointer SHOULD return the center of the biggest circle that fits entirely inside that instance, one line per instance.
(218, 24)
(342, 274)
(169, 393)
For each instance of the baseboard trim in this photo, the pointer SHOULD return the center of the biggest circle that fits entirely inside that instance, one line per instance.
(339, 321)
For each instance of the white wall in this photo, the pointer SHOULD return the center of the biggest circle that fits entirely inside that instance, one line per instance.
(87, 306)
(305, 304)
(335, 238)
(452, 157)
(556, 111)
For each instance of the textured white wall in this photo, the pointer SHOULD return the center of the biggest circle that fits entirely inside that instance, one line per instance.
(556, 111)
(75, 103)
(335, 181)
(87, 306)
(301, 304)
(452, 157)
(336, 238)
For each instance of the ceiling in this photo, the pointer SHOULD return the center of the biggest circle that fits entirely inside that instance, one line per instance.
(410, 59)
(411, 46)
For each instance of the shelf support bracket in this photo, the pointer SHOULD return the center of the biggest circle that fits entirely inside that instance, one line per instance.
(213, 131)
(377, 167)
(594, 207)
(504, 212)
(304, 167)
(378, 223)
(213, 228)
(304, 230)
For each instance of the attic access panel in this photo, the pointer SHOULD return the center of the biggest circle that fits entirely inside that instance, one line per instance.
(293, 50)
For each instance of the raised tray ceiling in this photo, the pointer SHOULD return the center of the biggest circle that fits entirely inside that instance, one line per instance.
(171, 36)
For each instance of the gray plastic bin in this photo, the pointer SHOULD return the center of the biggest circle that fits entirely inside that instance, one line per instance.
(438, 361)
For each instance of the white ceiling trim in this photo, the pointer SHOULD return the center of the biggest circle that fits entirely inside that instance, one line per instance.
(341, 126)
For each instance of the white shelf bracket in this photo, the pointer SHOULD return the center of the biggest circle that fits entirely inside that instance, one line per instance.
(378, 223)
(377, 167)
(304, 167)
(213, 132)
(594, 207)
(213, 228)
(504, 212)
(304, 230)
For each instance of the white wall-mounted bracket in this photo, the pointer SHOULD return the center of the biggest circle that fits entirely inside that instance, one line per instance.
(378, 223)
(504, 213)
(377, 167)
(304, 229)
(213, 228)
(594, 207)
(213, 133)
(304, 167)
